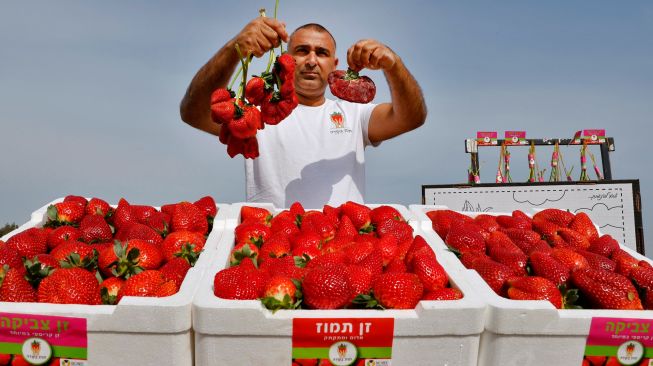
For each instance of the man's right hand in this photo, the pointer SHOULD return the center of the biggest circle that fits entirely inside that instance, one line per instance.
(260, 35)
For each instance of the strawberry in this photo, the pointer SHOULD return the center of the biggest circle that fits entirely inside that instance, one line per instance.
(398, 290)
(385, 212)
(246, 125)
(29, 243)
(123, 214)
(67, 212)
(541, 246)
(583, 225)
(142, 212)
(559, 217)
(175, 270)
(503, 250)
(356, 252)
(534, 288)
(241, 251)
(97, 206)
(187, 216)
(595, 360)
(259, 214)
(73, 198)
(573, 238)
(109, 290)
(605, 245)
(252, 232)
(487, 222)
(242, 282)
(255, 90)
(10, 257)
(518, 214)
(359, 215)
(494, 273)
(94, 228)
(396, 265)
(441, 220)
(159, 222)
(388, 246)
(360, 280)
(445, 293)
(625, 262)
(306, 244)
(14, 287)
(327, 287)
(401, 229)
(373, 262)
(346, 230)
(545, 228)
(75, 253)
(284, 225)
(40, 267)
(173, 245)
(168, 209)
(144, 284)
(139, 231)
(281, 292)
(333, 214)
(278, 245)
(149, 257)
(318, 223)
(167, 288)
(284, 266)
(571, 259)
(597, 261)
(425, 265)
(465, 237)
(606, 290)
(61, 234)
(70, 286)
(510, 222)
(207, 205)
(544, 265)
(296, 209)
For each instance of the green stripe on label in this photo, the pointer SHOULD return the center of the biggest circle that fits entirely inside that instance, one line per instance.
(57, 351)
(601, 350)
(363, 352)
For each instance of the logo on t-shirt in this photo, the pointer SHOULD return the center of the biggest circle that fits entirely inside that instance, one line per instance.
(338, 123)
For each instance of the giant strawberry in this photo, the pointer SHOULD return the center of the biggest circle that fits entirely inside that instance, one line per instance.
(70, 286)
(606, 290)
(327, 287)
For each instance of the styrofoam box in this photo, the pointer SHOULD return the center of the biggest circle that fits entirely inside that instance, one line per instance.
(138, 330)
(533, 333)
(243, 332)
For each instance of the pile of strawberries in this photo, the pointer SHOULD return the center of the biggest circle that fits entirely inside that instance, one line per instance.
(240, 119)
(87, 252)
(340, 257)
(555, 255)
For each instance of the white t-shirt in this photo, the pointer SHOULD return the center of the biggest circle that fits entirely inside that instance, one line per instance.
(314, 156)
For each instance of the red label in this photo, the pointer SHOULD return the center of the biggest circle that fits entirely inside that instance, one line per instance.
(486, 138)
(515, 137)
(628, 341)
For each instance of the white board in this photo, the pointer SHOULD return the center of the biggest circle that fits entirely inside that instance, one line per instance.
(613, 206)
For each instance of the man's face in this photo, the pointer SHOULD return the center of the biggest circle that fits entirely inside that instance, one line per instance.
(314, 54)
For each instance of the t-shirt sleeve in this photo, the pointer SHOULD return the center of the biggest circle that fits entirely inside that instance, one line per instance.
(365, 114)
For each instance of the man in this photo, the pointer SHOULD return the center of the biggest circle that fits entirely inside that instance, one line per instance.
(316, 155)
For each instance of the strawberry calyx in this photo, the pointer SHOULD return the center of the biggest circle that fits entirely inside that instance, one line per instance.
(367, 301)
(351, 75)
(74, 260)
(188, 253)
(126, 263)
(36, 271)
(302, 261)
(108, 299)
(569, 297)
(244, 252)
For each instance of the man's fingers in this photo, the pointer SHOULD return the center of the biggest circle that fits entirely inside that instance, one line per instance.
(278, 27)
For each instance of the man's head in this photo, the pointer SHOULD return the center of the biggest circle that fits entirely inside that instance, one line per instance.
(314, 51)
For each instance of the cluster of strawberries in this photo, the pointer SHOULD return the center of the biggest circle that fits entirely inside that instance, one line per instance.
(610, 361)
(555, 255)
(340, 257)
(273, 92)
(88, 252)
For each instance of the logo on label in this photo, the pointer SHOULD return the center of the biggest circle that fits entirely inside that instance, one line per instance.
(343, 353)
(630, 353)
(337, 120)
(36, 351)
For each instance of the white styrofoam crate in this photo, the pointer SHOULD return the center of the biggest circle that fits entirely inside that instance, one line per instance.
(138, 330)
(534, 333)
(241, 332)
(419, 212)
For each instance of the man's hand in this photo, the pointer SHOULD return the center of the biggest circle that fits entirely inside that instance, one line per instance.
(370, 54)
(260, 35)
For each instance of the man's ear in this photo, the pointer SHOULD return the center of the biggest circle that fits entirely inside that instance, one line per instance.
(336, 62)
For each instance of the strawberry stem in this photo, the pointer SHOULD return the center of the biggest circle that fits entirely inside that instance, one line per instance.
(244, 64)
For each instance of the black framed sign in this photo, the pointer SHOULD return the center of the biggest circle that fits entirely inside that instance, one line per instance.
(613, 205)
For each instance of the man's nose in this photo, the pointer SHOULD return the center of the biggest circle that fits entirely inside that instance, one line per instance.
(311, 59)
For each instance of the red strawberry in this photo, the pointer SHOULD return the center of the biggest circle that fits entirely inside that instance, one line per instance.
(606, 290)
(360, 280)
(346, 230)
(259, 214)
(188, 217)
(359, 214)
(29, 243)
(625, 262)
(70, 286)
(503, 250)
(597, 261)
(518, 214)
(278, 245)
(123, 214)
(144, 284)
(494, 273)
(175, 270)
(306, 244)
(97, 206)
(139, 231)
(584, 226)
(173, 245)
(75, 253)
(14, 287)
(545, 265)
(574, 239)
(242, 282)
(442, 219)
(545, 228)
(388, 246)
(10, 257)
(385, 212)
(109, 290)
(207, 205)
(559, 217)
(401, 229)
(445, 293)
(61, 234)
(487, 222)
(510, 222)
(398, 290)
(605, 245)
(465, 237)
(296, 209)
(149, 257)
(168, 288)
(540, 246)
(73, 198)
(159, 222)
(396, 265)
(596, 360)
(281, 293)
(94, 228)
(327, 287)
(168, 209)
(67, 212)
(425, 265)
(318, 223)
(252, 232)
(142, 212)
(284, 266)
(284, 225)
(241, 251)
(333, 214)
(572, 260)
(534, 288)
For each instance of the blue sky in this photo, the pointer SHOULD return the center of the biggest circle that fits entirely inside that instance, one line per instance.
(89, 91)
